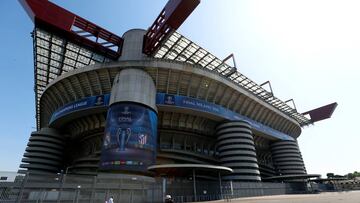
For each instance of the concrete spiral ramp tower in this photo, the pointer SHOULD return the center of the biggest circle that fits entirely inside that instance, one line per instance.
(236, 148)
(44, 152)
(287, 158)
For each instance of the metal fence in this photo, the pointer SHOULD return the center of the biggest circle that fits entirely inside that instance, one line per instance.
(78, 189)
(207, 191)
(131, 189)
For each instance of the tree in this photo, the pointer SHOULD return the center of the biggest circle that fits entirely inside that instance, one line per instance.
(353, 175)
(330, 175)
(350, 176)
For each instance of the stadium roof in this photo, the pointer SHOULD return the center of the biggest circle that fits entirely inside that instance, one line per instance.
(179, 48)
(54, 56)
(65, 41)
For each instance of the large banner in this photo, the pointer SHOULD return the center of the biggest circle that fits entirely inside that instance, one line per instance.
(82, 104)
(130, 138)
(172, 100)
(211, 108)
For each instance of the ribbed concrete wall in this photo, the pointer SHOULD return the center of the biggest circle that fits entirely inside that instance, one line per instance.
(236, 148)
(287, 158)
(44, 152)
(266, 170)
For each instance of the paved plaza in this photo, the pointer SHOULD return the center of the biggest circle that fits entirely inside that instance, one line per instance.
(328, 197)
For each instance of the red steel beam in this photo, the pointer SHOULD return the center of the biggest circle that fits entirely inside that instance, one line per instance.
(49, 16)
(171, 17)
(321, 113)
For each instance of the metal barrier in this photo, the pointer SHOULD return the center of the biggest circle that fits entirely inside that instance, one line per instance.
(130, 189)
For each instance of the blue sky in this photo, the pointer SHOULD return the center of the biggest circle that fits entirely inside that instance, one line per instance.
(309, 50)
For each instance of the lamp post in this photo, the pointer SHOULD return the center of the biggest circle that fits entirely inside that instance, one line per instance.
(77, 193)
(194, 185)
(220, 187)
(66, 170)
(61, 182)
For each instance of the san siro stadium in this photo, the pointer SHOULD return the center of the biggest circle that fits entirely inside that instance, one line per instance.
(154, 108)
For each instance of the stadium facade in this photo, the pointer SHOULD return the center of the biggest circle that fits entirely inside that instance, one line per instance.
(153, 103)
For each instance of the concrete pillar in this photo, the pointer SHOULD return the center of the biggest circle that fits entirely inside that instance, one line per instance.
(287, 158)
(236, 148)
(133, 44)
(134, 85)
(131, 125)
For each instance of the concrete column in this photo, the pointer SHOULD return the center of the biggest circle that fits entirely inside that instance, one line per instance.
(236, 148)
(287, 158)
(133, 44)
(134, 85)
(131, 123)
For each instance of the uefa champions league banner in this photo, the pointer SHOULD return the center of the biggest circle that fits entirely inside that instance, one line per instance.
(88, 102)
(211, 108)
(172, 100)
(130, 138)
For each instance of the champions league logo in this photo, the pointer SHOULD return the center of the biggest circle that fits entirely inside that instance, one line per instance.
(123, 136)
(126, 115)
(169, 99)
(126, 111)
(99, 100)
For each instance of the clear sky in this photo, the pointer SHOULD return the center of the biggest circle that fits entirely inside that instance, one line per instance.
(309, 50)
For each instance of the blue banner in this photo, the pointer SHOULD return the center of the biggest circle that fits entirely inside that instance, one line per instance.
(178, 101)
(204, 106)
(88, 102)
(130, 138)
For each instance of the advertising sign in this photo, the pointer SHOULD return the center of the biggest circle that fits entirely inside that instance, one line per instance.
(201, 105)
(88, 102)
(130, 138)
(173, 100)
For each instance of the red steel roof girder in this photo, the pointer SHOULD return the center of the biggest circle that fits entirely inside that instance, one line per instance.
(171, 17)
(50, 16)
(321, 113)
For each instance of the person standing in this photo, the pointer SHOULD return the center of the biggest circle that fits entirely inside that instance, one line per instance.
(168, 199)
(111, 200)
